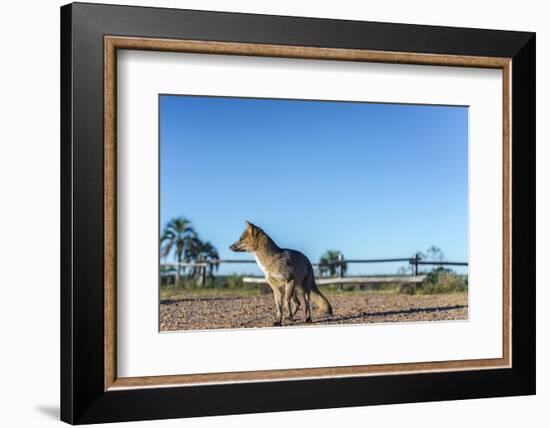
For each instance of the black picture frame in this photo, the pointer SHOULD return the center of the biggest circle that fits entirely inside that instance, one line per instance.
(83, 399)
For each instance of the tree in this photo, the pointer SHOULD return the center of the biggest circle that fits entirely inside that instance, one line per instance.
(405, 270)
(435, 253)
(329, 263)
(200, 251)
(174, 239)
(210, 253)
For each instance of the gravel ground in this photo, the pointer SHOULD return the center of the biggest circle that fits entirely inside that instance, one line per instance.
(355, 308)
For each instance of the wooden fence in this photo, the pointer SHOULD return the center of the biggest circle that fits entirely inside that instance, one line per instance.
(337, 265)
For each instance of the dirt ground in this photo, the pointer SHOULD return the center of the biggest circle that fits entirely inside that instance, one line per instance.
(216, 312)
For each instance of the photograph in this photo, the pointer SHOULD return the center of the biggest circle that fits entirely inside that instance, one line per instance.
(298, 213)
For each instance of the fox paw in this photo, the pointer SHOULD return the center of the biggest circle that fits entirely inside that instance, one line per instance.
(276, 323)
(308, 321)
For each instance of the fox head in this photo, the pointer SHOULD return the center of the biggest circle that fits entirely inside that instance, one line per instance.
(249, 240)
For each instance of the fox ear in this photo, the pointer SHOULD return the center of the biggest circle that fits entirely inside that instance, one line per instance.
(248, 224)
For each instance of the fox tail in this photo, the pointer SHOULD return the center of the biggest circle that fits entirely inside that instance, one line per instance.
(317, 297)
(321, 301)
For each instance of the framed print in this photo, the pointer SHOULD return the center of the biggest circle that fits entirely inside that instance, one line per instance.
(255, 207)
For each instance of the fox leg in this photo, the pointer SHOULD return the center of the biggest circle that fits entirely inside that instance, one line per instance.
(295, 305)
(289, 295)
(278, 296)
(307, 308)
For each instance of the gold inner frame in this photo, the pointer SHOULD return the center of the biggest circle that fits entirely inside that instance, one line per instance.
(113, 43)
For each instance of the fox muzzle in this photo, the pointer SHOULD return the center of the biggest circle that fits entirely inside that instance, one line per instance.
(235, 247)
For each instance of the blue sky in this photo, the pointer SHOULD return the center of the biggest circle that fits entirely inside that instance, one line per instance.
(371, 180)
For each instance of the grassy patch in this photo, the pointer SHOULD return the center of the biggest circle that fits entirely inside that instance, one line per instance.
(442, 281)
(178, 293)
(211, 282)
(439, 281)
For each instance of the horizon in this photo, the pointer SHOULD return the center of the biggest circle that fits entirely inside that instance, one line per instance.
(372, 180)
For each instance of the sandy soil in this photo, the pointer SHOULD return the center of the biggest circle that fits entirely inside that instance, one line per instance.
(196, 313)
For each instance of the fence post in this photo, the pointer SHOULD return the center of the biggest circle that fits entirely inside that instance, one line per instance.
(340, 269)
(203, 276)
(415, 264)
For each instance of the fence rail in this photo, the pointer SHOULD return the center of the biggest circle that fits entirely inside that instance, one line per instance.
(414, 261)
(443, 263)
(354, 280)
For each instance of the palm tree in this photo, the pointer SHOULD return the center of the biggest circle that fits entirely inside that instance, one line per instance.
(174, 239)
(209, 252)
(200, 251)
(329, 262)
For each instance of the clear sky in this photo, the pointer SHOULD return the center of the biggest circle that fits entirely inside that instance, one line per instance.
(370, 180)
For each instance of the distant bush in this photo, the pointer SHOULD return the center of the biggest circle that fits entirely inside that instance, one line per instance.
(442, 280)
(214, 282)
(234, 281)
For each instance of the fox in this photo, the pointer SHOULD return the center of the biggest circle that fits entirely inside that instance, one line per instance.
(289, 273)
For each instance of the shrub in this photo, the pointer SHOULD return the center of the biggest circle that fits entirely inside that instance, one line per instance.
(442, 280)
(233, 281)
